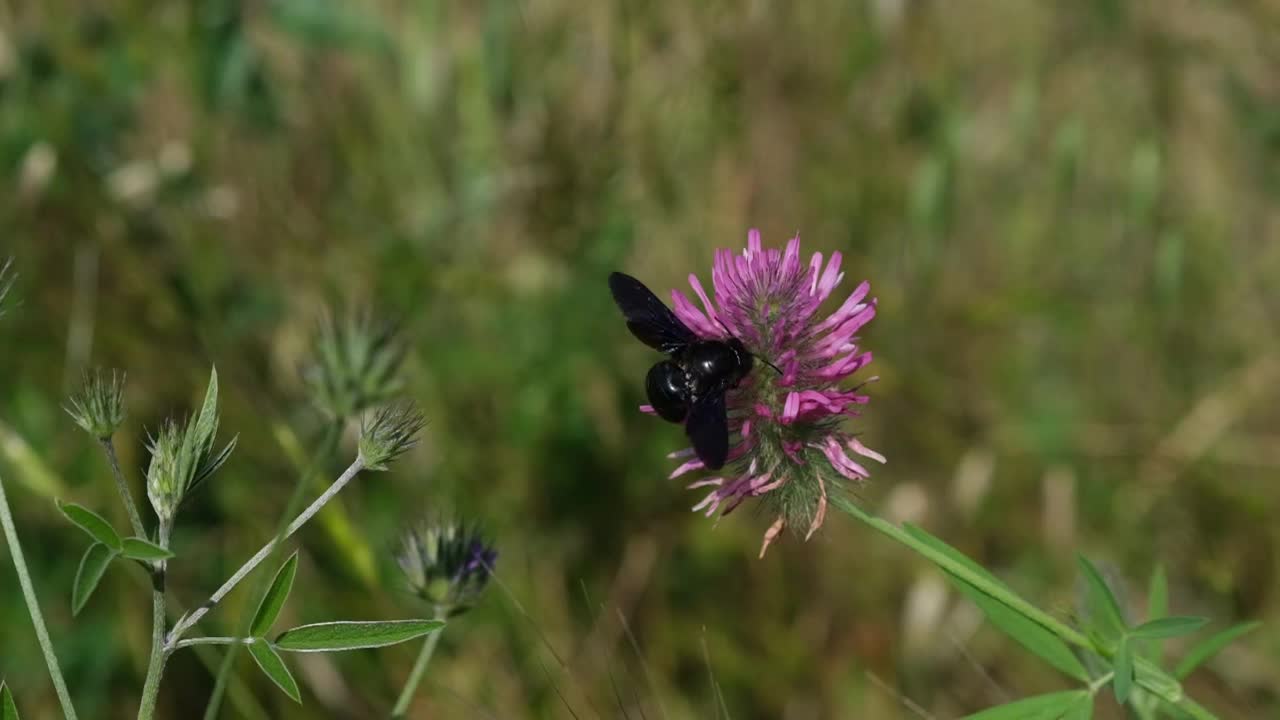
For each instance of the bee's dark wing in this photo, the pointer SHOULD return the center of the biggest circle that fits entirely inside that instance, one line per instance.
(708, 430)
(651, 321)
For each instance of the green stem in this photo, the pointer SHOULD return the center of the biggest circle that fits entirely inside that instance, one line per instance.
(998, 592)
(419, 669)
(326, 455)
(159, 654)
(122, 485)
(33, 606)
(185, 624)
(190, 642)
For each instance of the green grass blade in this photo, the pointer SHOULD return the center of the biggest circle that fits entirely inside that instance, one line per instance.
(92, 523)
(92, 566)
(8, 709)
(336, 636)
(273, 602)
(1052, 706)
(1207, 648)
(271, 665)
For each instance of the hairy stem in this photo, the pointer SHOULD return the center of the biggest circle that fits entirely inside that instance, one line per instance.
(135, 520)
(326, 454)
(159, 654)
(33, 606)
(253, 562)
(1012, 600)
(419, 669)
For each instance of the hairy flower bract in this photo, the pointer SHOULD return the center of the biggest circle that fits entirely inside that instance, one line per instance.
(792, 447)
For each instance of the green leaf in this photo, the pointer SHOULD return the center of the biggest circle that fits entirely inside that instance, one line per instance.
(92, 566)
(92, 523)
(1158, 594)
(273, 601)
(1103, 608)
(1168, 627)
(325, 637)
(1029, 633)
(1152, 677)
(1157, 608)
(1082, 710)
(1207, 648)
(274, 668)
(1122, 666)
(136, 548)
(1052, 706)
(8, 709)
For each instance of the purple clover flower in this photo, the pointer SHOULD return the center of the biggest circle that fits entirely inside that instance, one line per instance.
(791, 450)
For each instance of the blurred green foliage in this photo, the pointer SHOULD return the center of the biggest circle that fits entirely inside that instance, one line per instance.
(1067, 210)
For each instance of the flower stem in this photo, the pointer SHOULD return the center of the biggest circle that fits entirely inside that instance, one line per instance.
(213, 641)
(33, 606)
(187, 622)
(419, 669)
(1002, 594)
(135, 520)
(155, 667)
(323, 458)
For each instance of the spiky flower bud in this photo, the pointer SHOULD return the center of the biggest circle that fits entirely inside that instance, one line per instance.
(99, 406)
(447, 564)
(355, 364)
(182, 456)
(6, 282)
(387, 433)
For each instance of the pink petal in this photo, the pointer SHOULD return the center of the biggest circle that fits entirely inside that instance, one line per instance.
(771, 534)
(856, 445)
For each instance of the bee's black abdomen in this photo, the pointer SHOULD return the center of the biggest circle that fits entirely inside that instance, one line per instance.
(667, 388)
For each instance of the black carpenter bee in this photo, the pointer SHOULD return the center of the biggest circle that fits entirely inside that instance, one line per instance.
(688, 387)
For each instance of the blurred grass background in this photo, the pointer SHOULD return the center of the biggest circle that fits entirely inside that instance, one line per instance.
(1067, 210)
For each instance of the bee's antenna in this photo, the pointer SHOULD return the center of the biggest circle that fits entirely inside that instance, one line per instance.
(730, 334)
(775, 367)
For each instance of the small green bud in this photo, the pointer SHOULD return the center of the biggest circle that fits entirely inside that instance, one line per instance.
(99, 406)
(355, 364)
(387, 433)
(182, 456)
(447, 564)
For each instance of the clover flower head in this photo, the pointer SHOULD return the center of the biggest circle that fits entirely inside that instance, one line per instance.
(447, 564)
(183, 456)
(355, 363)
(792, 449)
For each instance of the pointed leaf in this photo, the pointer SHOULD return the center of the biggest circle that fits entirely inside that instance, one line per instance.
(8, 709)
(1052, 706)
(1104, 610)
(1152, 677)
(1168, 627)
(1027, 632)
(92, 566)
(273, 601)
(92, 523)
(136, 548)
(207, 422)
(1158, 594)
(271, 664)
(1122, 666)
(1207, 648)
(332, 636)
(1157, 607)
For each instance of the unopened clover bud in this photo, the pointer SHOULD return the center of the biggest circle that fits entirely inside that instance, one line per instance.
(388, 433)
(355, 364)
(182, 456)
(447, 564)
(99, 406)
